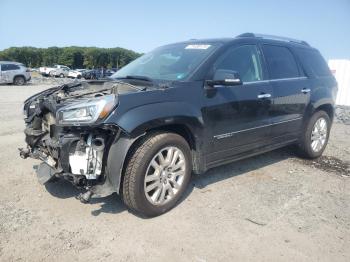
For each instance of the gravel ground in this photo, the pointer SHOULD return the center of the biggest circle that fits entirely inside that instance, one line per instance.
(273, 207)
(342, 114)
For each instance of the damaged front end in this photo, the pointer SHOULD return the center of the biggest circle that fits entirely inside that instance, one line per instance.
(65, 130)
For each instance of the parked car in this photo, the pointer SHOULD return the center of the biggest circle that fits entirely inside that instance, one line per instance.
(56, 70)
(60, 72)
(109, 72)
(77, 73)
(181, 109)
(98, 73)
(90, 74)
(13, 73)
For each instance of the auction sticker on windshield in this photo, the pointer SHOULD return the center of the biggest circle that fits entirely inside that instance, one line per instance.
(197, 46)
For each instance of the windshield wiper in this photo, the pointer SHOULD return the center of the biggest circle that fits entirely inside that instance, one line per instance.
(136, 77)
(133, 86)
(145, 78)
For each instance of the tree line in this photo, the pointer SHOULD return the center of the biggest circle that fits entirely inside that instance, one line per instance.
(74, 56)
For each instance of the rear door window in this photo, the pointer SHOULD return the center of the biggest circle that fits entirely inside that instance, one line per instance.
(4, 67)
(281, 62)
(8, 67)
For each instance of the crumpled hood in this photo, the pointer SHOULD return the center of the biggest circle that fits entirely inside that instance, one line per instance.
(57, 97)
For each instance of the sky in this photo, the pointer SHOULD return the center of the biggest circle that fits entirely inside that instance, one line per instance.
(145, 25)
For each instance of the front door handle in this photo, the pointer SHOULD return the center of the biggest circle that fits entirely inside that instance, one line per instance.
(264, 96)
(305, 90)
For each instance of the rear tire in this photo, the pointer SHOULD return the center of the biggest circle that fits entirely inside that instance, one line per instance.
(156, 174)
(314, 139)
(19, 81)
(61, 75)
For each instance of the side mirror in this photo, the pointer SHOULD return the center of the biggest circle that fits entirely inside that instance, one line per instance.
(225, 77)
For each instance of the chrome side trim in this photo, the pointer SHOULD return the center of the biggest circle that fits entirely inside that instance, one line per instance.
(264, 96)
(256, 82)
(248, 129)
(288, 79)
(274, 80)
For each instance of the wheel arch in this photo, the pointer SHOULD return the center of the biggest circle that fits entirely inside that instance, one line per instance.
(325, 104)
(180, 129)
(121, 151)
(177, 117)
(18, 75)
(328, 108)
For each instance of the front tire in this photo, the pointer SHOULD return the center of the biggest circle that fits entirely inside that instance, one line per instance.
(315, 136)
(157, 174)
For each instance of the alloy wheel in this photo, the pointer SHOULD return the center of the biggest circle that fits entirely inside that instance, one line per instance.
(319, 135)
(165, 175)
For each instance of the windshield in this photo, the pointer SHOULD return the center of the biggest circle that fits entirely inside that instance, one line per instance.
(171, 62)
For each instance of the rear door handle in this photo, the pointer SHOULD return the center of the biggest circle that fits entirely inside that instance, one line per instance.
(264, 96)
(306, 90)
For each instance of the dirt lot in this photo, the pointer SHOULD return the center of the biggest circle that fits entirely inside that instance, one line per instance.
(274, 207)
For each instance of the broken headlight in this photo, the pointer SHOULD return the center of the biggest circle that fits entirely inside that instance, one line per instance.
(87, 112)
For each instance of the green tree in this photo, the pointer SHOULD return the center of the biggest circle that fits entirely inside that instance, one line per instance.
(51, 55)
(103, 58)
(91, 57)
(73, 56)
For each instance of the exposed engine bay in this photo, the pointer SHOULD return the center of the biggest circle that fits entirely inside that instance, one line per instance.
(64, 130)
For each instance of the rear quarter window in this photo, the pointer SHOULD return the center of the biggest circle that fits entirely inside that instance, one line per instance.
(280, 62)
(14, 67)
(313, 62)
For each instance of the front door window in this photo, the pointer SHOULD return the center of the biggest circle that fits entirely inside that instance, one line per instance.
(245, 60)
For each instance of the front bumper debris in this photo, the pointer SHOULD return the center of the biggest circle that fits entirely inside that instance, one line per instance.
(74, 154)
(91, 157)
(44, 173)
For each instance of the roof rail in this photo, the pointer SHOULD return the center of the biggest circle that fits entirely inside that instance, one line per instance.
(273, 37)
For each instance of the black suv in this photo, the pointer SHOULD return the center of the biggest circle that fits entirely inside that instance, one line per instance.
(182, 108)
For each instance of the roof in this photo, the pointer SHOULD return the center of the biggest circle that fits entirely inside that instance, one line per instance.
(10, 62)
